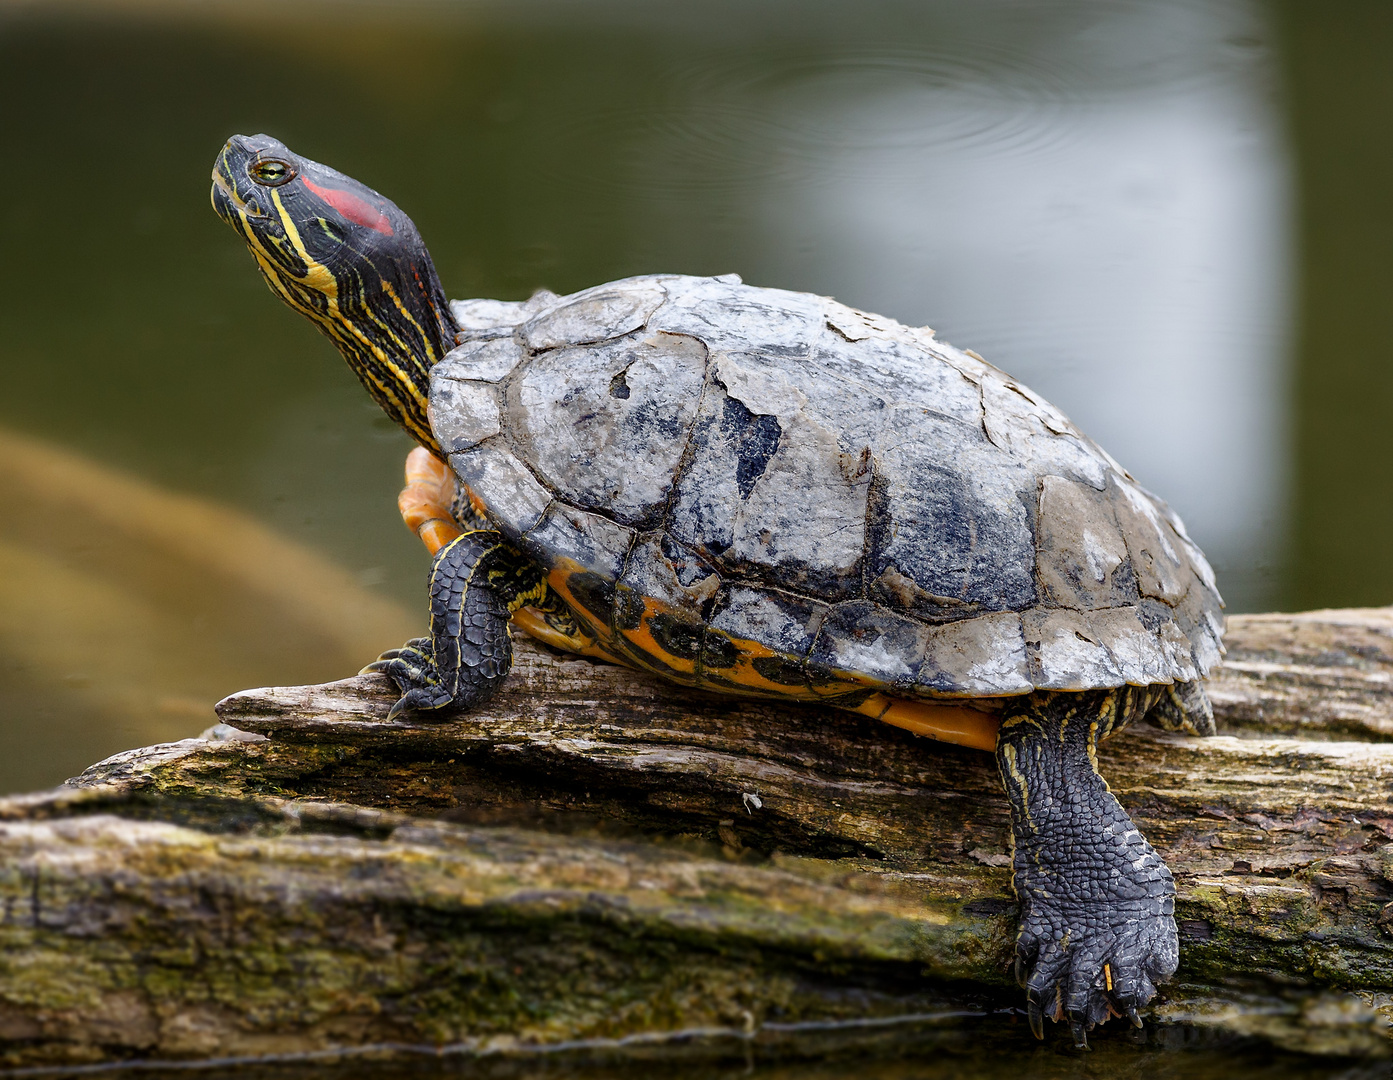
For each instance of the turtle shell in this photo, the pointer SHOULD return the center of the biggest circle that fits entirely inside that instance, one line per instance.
(767, 492)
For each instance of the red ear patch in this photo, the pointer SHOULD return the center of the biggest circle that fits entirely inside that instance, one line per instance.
(353, 208)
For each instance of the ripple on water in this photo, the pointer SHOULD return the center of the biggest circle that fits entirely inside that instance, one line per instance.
(740, 120)
(998, 81)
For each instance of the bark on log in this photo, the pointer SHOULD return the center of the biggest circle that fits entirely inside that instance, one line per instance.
(594, 855)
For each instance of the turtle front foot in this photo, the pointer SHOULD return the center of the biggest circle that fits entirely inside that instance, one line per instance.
(1097, 927)
(412, 668)
(473, 581)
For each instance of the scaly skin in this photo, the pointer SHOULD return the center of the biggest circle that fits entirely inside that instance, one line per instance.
(476, 582)
(1097, 903)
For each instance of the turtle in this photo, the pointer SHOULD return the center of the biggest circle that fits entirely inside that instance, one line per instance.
(770, 494)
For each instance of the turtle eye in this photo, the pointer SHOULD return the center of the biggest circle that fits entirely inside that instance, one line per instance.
(270, 172)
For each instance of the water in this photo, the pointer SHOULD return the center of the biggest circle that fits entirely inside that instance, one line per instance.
(1171, 218)
(1101, 198)
(979, 1055)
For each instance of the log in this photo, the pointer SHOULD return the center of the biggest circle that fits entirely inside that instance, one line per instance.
(600, 862)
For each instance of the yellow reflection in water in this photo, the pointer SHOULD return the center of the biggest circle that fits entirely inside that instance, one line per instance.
(126, 610)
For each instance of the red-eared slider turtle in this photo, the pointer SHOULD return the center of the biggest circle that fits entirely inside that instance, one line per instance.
(769, 494)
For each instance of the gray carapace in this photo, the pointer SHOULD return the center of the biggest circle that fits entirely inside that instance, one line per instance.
(869, 505)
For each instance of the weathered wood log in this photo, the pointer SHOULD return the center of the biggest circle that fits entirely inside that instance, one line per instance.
(594, 855)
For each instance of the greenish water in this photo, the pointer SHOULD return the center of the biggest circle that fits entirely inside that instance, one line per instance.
(1171, 218)
(1168, 217)
(971, 1053)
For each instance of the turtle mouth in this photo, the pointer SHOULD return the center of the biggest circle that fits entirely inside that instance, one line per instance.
(228, 204)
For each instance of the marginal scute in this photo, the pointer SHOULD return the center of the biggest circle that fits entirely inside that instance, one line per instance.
(865, 639)
(1199, 565)
(756, 642)
(1140, 655)
(567, 535)
(606, 424)
(1179, 652)
(462, 414)
(1202, 626)
(1081, 555)
(779, 620)
(980, 657)
(664, 593)
(599, 314)
(1066, 653)
(513, 500)
(485, 359)
(1208, 652)
(669, 573)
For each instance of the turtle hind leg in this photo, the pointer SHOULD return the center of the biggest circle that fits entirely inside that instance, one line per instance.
(1184, 706)
(1097, 928)
(428, 502)
(476, 582)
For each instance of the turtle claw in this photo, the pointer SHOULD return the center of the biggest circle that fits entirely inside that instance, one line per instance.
(396, 667)
(469, 650)
(419, 648)
(412, 668)
(1036, 1018)
(1069, 980)
(418, 698)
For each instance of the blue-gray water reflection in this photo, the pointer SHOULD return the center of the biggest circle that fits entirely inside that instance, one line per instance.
(1095, 197)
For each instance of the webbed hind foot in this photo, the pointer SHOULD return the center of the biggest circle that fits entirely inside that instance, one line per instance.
(1087, 962)
(1097, 927)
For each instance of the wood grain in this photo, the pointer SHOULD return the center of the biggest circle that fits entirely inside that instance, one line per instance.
(594, 855)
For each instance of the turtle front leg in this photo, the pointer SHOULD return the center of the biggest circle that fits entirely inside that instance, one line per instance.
(437, 510)
(476, 582)
(1097, 926)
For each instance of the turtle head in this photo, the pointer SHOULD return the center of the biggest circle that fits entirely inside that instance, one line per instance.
(346, 257)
